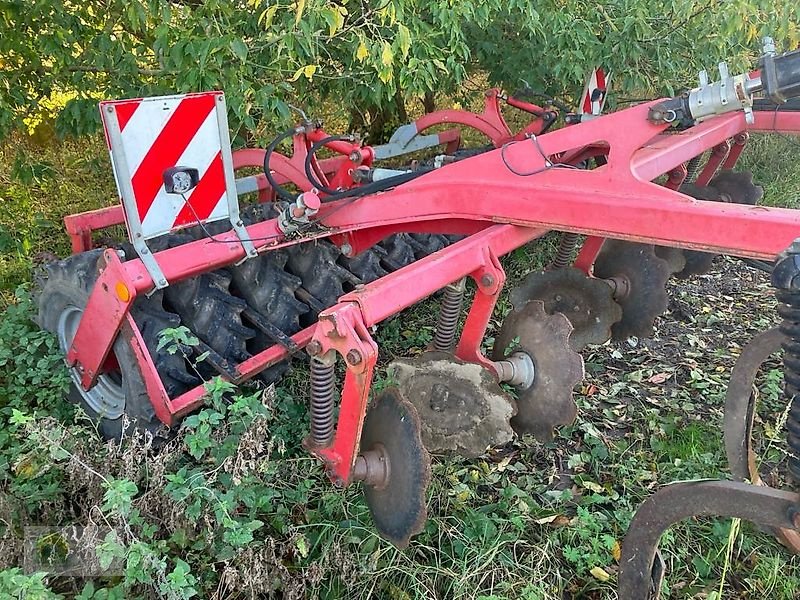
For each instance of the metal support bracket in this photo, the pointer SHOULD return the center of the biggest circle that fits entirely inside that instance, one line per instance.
(343, 330)
(230, 182)
(105, 312)
(489, 278)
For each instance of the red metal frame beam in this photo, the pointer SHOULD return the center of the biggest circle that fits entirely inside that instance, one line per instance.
(614, 200)
(344, 328)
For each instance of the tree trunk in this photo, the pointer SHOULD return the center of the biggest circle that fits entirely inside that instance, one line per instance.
(429, 102)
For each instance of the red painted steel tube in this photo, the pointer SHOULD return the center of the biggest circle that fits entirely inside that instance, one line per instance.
(588, 253)
(189, 400)
(614, 200)
(718, 155)
(407, 286)
(80, 226)
(739, 142)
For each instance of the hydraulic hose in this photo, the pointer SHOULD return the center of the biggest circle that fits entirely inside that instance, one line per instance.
(282, 192)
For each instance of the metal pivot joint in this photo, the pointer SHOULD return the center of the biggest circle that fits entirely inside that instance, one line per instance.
(786, 281)
(444, 339)
(297, 215)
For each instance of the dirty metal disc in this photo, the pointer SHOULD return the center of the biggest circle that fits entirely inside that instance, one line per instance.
(397, 505)
(740, 408)
(675, 257)
(696, 263)
(461, 406)
(645, 275)
(735, 187)
(548, 402)
(587, 302)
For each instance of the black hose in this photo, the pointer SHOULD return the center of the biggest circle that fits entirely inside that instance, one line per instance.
(310, 175)
(281, 191)
(377, 186)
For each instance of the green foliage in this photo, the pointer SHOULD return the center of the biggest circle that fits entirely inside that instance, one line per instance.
(28, 359)
(375, 59)
(15, 584)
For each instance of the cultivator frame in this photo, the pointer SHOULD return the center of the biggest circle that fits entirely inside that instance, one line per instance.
(529, 185)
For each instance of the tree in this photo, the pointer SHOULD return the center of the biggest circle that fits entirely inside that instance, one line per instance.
(370, 59)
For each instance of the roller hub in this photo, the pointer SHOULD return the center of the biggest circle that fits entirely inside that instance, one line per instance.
(644, 275)
(548, 403)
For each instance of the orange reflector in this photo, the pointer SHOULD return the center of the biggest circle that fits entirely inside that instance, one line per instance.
(122, 291)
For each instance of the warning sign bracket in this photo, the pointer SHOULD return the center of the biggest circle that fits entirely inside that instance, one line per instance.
(160, 133)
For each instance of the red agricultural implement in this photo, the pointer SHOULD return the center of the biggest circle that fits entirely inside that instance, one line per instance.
(652, 189)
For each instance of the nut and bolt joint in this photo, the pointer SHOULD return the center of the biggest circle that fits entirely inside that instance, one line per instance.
(354, 357)
(314, 348)
(487, 280)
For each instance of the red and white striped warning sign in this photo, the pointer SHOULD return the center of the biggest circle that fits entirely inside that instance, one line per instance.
(146, 136)
(594, 93)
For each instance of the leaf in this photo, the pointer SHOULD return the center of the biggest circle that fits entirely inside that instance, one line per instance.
(268, 16)
(600, 574)
(659, 377)
(301, 6)
(403, 39)
(302, 546)
(592, 486)
(387, 56)
(362, 52)
(546, 520)
(334, 19)
(616, 551)
(307, 71)
(239, 48)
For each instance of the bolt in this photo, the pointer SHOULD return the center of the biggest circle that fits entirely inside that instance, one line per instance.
(145, 250)
(355, 156)
(487, 280)
(121, 253)
(354, 357)
(314, 348)
(347, 250)
(110, 109)
(162, 282)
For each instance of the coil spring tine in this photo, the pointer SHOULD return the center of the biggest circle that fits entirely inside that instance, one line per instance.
(566, 248)
(323, 382)
(784, 275)
(693, 168)
(444, 340)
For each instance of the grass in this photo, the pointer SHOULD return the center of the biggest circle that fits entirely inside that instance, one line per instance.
(252, 515)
